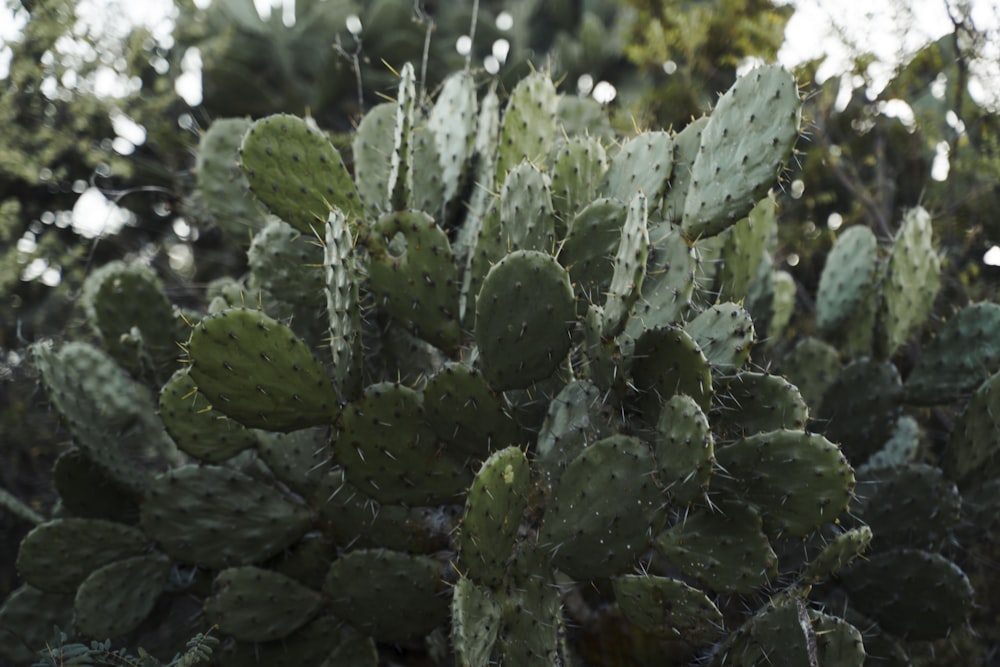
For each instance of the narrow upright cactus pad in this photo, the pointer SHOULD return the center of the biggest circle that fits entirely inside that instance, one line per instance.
(600, 513)
(667, 607)
(643, 164)
(743, 147)
(372, 148)
(493, 510)
(686, 145)
(743, 250)
(401, 161)
(847, 279)
(389, 595)
(684, 449)
(475, 623)
(524, 316)
(343, 305)
(452, 122)
(589, 246)
(669, 283)
(296, 172)
(798, 480)
(258, 372)
(255, 605)
(221, 183)
(116, 598)
(388, 451)
(577, 174)
(527, 221)
(912, 280)
(629, 268)
(412, 271)
(200, 514)
(529, 123)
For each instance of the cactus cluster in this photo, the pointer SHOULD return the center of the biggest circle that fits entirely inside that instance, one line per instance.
(499, 381)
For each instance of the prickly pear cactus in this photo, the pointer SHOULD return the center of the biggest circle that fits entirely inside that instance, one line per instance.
(489, 380)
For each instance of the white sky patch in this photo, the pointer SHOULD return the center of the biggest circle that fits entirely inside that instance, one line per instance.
(94, 215)
(992, 256)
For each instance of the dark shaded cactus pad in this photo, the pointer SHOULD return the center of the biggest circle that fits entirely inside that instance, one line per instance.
(258, 372)
(257, 605)
(668, 608)
(116, 598)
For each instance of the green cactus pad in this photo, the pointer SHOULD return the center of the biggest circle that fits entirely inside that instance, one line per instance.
(257, 371)
(744, 247)
(912, 280)
(846, 281)
(527, 221)
(371, 148)
(493, 510)
(787, 632)
(221, 183)
(684, 449)
(599, 515)
(587, 251)
(463, 411)
(524, 316)
(667, 361)
(644, 164)
(529, 123)
(629, 268)
(27, 617)
(389, 595)
(428, 188)
(326, 641)
(532, 630)
(218, 517)
(487, 251)
(127, 307)
(88, 491)
(308, 560)
(401, 159)
(669, 283)
(602, 356)
(412, 272)
(686, 145)
(965, 352)
(343, 305)
(725, 335)
(452, 121)
(667, 607)
(759, 402)
(911, 593)
(296, 172)
(112, 417)
(747, 138)
(726, 551)
(256, 605)
(297, 458)
(197, 429)
(571, 424)
(116, 598)
(860, 407)
(390, 453)
(58, 555)
(577, 172)
(475, 623)
(972, 454)
(287, 264)
(912, 505)
(836, 555)
(782, 306)
(798, 480)
(812, 366)
(481, 178)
